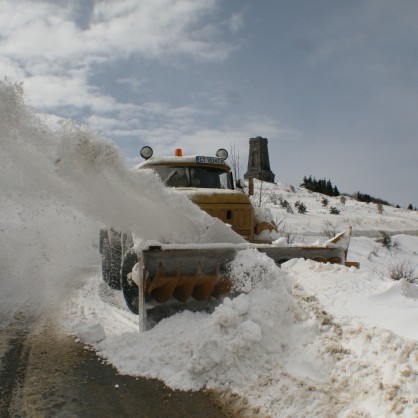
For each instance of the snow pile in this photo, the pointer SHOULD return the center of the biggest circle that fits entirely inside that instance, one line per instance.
(349, 295)
(194, 350)
(253, 270)
(307, 339)
(90, 333)
(240, 340)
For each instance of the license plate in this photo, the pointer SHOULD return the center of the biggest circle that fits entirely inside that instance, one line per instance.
(209, 160)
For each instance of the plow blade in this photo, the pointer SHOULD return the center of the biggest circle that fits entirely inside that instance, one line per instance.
(321, 254)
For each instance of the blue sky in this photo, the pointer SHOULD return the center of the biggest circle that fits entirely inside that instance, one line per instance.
(332, 84)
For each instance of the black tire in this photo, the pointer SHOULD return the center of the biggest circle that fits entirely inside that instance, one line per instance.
(111, 259)
(115, 262)
(106, 266)
(129, 288)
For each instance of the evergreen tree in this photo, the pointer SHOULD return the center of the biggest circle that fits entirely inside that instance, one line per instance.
(320, 186)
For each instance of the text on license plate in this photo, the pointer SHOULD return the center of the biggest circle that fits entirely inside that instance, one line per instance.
(209, 160)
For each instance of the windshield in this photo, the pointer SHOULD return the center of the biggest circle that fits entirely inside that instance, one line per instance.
(200, 177)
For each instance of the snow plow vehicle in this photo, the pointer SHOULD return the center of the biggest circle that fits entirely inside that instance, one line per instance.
(166, 272)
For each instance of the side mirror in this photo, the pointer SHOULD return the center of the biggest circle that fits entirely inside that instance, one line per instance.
(241, 184)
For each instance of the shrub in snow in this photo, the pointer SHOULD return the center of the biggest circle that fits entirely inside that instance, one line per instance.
(403, 270)
(286, 205)
(342, 199)
(334, 211)
(386, 241)
(272, 198)
(324, 202)
(301, 207)
(379, 208)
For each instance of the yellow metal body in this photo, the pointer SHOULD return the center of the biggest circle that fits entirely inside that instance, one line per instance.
(232, 207)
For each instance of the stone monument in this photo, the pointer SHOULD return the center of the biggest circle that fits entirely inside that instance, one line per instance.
(258, 161)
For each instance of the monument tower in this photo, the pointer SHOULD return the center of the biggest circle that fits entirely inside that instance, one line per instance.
(258, 161)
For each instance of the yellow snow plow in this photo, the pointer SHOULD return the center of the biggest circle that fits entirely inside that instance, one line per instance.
(168, 272)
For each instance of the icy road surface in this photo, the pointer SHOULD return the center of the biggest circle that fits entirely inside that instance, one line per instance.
(46, 373)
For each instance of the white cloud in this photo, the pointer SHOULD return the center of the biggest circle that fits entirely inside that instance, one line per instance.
(9, 69)
(133, 82)
(44, 45)
(118, 29)
(236, 22)
(101, 123)
(171, 132)
(52, 92)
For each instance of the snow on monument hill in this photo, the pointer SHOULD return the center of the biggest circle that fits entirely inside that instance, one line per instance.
(307, 339)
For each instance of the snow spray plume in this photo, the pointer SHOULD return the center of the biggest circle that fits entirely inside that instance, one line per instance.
(103, 187)
(56, 190)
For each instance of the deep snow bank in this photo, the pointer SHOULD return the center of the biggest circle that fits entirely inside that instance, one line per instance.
(309, 339)
(360, 296)
(243, 338)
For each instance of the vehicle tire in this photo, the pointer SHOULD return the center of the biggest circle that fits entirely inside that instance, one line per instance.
(129, 288)
(115, 262)
(111, 248)
(106, 266)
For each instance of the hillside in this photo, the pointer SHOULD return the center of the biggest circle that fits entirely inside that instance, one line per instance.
(363, 217)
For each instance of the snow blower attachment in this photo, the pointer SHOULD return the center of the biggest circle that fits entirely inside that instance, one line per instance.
(167, 273)
(201, 272)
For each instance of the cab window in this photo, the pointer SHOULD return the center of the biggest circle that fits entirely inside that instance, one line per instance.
(199, 177)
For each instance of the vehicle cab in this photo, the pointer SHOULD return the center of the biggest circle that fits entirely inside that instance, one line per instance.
(208, 182)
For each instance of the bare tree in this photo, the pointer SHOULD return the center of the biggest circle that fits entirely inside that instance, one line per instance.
(261, 187)
(284, 230)
(329, 229)
(235, 160)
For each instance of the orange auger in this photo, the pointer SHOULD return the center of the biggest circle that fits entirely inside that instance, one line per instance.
(199, 286)
(185, 273)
